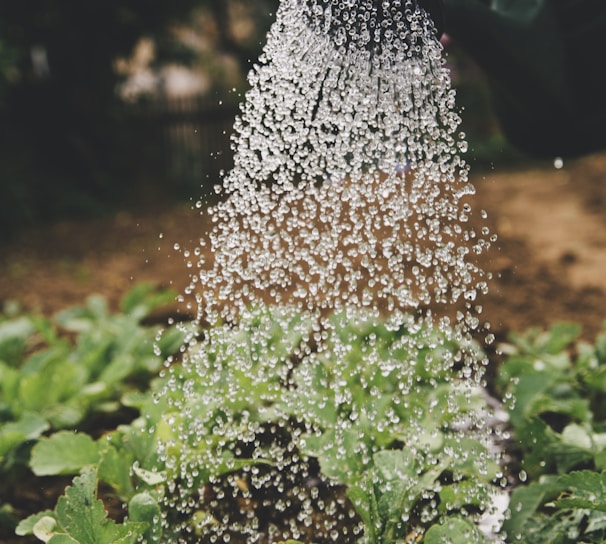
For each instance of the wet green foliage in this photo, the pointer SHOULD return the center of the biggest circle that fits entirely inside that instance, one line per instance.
(60, 373)
(556, 388)
(392, 482)
(400, 482)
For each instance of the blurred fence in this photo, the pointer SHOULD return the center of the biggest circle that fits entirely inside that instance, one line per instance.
(184, 141)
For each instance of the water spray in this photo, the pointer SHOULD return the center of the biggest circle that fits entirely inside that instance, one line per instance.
(370, 24)
(343, 223)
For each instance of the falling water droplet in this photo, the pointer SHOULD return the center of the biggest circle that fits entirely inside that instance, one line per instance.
(342, 222)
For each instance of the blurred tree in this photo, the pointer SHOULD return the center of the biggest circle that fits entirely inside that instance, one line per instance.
(64, 146)
(260, 15)
(60, 132)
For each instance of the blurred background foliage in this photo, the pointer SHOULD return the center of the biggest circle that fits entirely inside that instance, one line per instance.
(72, 73)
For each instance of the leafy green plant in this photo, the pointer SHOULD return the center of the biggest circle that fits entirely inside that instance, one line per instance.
(69, 373)
(379, 409)
(81, 362)
(126, 459)
(386, 433)
(556, 388)
(80, 518)
(248, 383)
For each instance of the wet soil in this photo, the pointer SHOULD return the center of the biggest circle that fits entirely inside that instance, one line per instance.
(549, 262)
(548, 265)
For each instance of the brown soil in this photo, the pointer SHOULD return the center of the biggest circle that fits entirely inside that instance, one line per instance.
(549, 263)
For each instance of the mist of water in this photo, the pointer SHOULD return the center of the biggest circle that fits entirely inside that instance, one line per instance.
(349, 197)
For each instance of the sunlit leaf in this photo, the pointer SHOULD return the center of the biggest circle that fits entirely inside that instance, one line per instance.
(26, 526)
(64, 452)
(44, 529)
(83, 518)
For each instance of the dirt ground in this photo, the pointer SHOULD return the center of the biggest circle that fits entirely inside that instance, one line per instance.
(549, 263)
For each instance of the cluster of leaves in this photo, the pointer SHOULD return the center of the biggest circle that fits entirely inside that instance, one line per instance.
(557, 385)
(68, 373)
(402, 485)
(394, 449)
(393, 445)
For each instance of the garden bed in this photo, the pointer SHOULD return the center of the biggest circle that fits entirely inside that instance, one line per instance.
(548, 266)
(548, 262)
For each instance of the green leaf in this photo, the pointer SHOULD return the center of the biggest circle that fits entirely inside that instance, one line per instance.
(8, 518)
(561, 527)
(144, 508)
(396, 465)
(568, 457)
(26, 526)
(596, 379)
(363, 497)
(118, 368)
(45, 328)
(576, 435)
(115, 468)
(143, 298)
(525, 501)
(83, 518)
(97, 306)
(329, 447)
(76, 319)
(554, 341)
(596, 522)
(545, 450)
(44, 529)
(65, 415)
(148, 476)
(455, 530)
(561, 336)
(460, 494)
(169, 341)
(9, 389)
(64, 452)
(573, 406)
(529, 387)
(45, 357)
(19, 328)
(586, 490)
(50, 382)
(600, 347)
(28, 427)
(62, 539)
(13, 335)
(399, 484)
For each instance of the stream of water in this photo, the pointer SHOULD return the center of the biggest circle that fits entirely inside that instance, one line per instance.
(349, 197)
